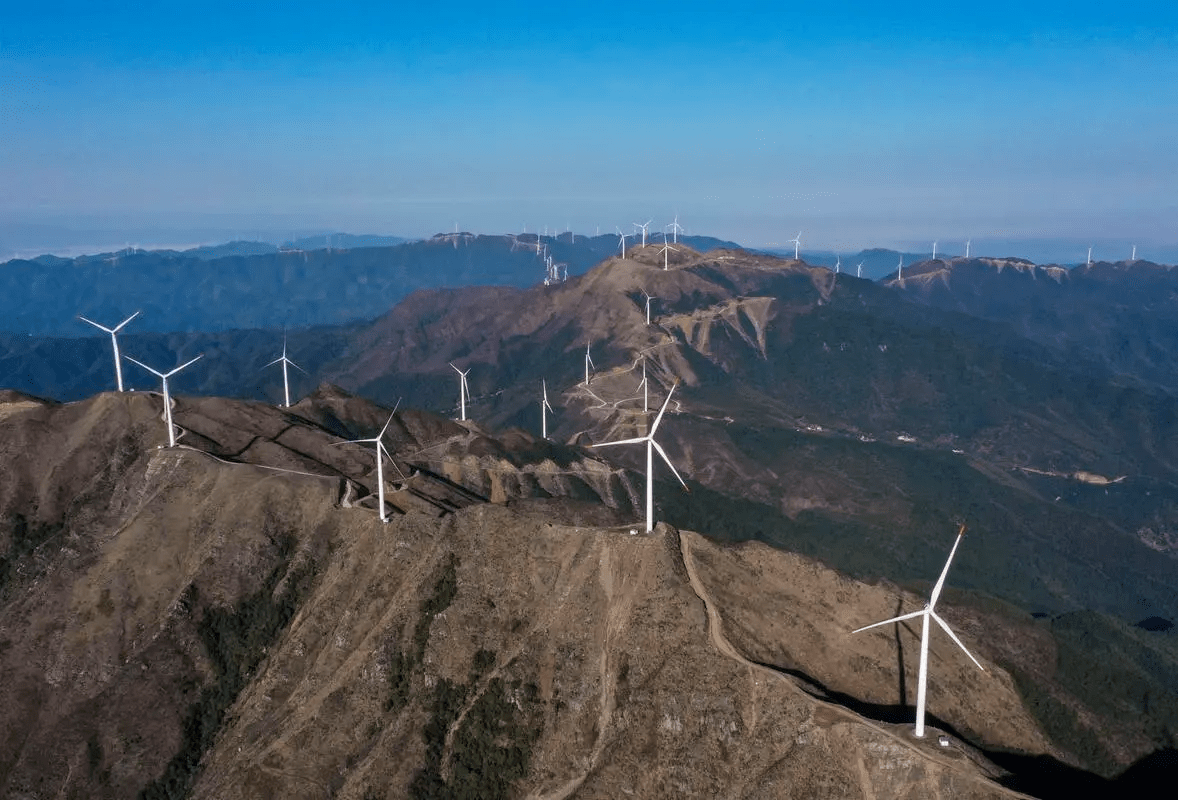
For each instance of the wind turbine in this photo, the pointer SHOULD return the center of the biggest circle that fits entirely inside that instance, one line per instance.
(380, 448)
(967, 248)
(643, 226)
(588, 363)
(545, 407)
(859, 270)
(666, 251)
(462, 390)
(622, 240)
(934, 251)
(838, 262)
(649, 297)
(645, 386)
(167, 395)
(1089, 256)
(651, 446)
(1134, 256)
(675, 228)
(797, 240)
(928, 613)
(900, 270)
(285, 381)
(114, 343)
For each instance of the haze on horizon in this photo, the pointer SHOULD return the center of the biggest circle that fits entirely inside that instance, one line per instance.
(860, 127)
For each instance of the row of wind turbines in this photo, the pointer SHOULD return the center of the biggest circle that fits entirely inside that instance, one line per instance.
(928, 613)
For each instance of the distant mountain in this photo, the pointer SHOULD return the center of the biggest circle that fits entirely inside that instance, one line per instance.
(189, 292)
(344, 241)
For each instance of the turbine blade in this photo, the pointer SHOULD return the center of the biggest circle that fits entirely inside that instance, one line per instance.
(659, 418)
(941, 580)
(900, 618)
(386, 426)
(456, 369)
(272, 363)
(623, 441)
(296, 366)
(95, 324)
(149, 369)
(953, 636)
(185, 364)
(669, 464)
(124, 322)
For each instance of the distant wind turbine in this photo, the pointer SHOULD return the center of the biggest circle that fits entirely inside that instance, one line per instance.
(838, 262)
(676, 229)
(859, 270)
(285, 380)
(1134, 256)
(900, 270)
(649, 297)
(622, 240)
(545, 407)
(928, 613)
(666, 251)
(797, 240)
(378, 440)
(643, 226)
(463, 391)
(645, 386)
(934, 251)
(167, 395)
(588, 363)
(967, 248)
(1089, 256)
(114, 341)
(651, 446)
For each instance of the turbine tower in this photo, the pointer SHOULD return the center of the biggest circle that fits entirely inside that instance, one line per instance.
(545, 407)
(167, 395)
(588, 363)
(1090, 256)
(380, 448)
(934, 250)
(651, 446)
(838, 263)
(622, 241)
(797, 240)
(114, 343)
(644, 385)
(463, 391)
(900, 271)
(1134, 256)
(928, 613)
(649, 297)
(967, 248)
(859, 270)
(285, 380)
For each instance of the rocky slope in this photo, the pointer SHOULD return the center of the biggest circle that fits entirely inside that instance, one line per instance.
(228, 618)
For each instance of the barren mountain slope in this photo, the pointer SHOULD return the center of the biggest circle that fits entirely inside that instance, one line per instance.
(174, 622)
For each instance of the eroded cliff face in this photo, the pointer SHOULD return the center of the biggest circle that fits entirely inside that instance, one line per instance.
(178, 623)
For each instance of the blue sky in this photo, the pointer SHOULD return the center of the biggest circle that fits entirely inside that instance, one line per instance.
(856, 124)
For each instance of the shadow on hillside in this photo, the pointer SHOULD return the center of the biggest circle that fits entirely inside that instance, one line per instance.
(1039, 776)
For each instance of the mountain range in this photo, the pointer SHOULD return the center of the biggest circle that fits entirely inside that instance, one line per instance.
(833, 431)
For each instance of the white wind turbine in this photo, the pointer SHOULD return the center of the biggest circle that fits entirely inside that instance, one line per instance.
(378, 440)
(167, 395)
(838, 263)
(463, 391)
(645, 386)
(651, 446)
(676, 229)
(967, 248)
(1089, 256)
(622, 241)
(1134, 256)
(588, 363)
(859, 270)
(545, 407)
(649, 297)
(928, 613)
(285, 380)
(643, 226)
(900, 270)
(797, 240)
(114, 343)
(666, 251)
(934, 251)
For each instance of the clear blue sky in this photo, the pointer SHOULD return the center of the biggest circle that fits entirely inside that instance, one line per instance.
(859, 124)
